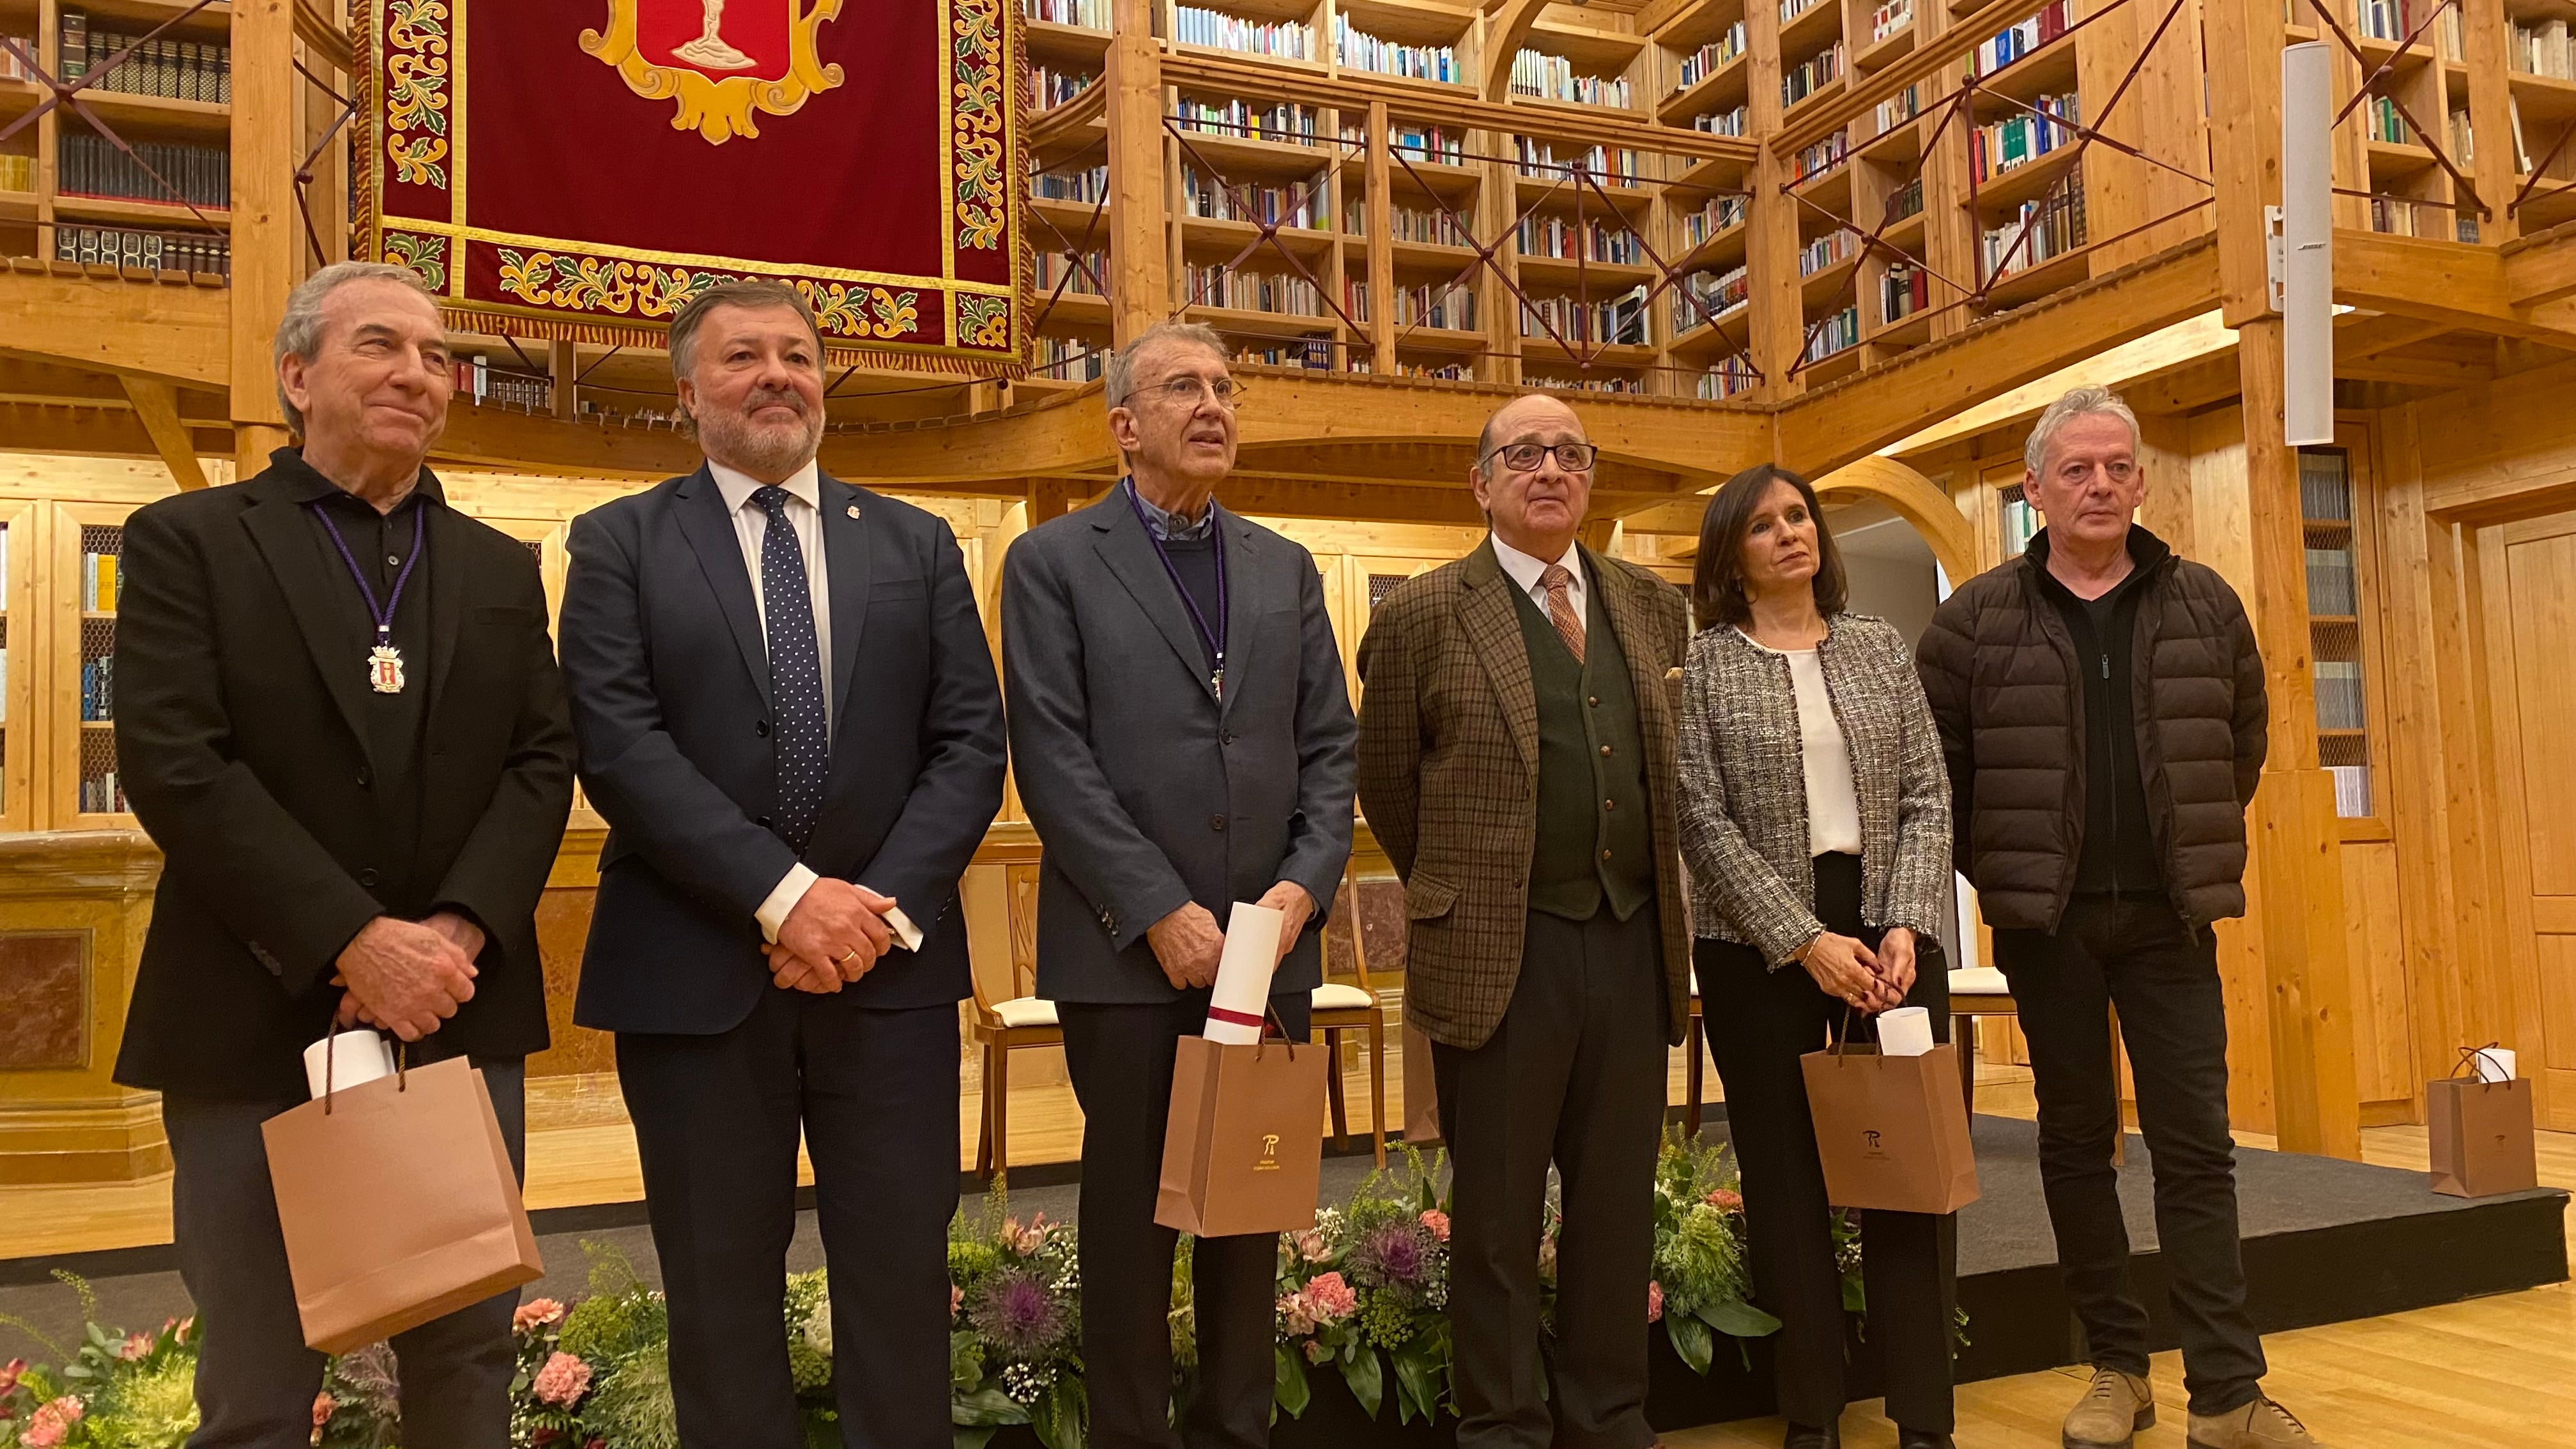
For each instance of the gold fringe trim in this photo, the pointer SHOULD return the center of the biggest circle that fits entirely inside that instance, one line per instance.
(470, 317)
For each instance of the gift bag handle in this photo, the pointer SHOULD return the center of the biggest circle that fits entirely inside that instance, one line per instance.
(1269, 1022)
(330, 1054)
(2468, 1065)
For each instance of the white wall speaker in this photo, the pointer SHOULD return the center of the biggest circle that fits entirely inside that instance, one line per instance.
(2304, 250)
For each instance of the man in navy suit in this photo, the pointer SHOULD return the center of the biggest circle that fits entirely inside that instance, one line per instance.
(789, 717)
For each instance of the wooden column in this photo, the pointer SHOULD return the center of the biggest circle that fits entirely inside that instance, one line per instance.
(2297, 923)
(566, 367)
(1776, 313)
(1140, 283)
(267, 235)
(2487, 40)
(1381, 243)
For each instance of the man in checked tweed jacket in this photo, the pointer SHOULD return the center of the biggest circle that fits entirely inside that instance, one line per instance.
(1516, 762)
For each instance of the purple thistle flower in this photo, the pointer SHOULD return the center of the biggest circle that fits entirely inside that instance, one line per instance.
(1016, 1314)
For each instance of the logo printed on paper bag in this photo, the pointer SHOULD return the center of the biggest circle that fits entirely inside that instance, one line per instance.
(1869, 1136)
(1269, 1153)
(722, 58)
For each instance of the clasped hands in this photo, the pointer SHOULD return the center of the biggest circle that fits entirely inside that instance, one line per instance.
(1188, 943)
(834, 936)
(1871, 981)
(407, 976)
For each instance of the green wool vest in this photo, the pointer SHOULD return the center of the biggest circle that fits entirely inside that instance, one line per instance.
(1595, 839)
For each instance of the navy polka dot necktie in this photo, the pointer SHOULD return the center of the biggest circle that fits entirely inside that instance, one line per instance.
(802, 735)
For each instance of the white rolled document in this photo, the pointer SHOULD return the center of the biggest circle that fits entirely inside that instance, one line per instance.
(2495, 1064)
(1242, 995)
(1905, 1032)
(352, 1057)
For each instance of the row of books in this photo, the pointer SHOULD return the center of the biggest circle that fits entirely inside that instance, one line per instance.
(1362, 51)
(1559, 237)
(99, 583)
(103, 795)
(1708, 297)
(1083, 279)
(1905, 200)
(11, 47)
(1413, 224)
(1813, 74)
(1068, 359)
(1837, 333)
(179, 70)
(1607, 382)
(1904, 291)
(1896, 110)
(2339, 696)
(93, 166)
(17, 172)
(98, 688)
(2544, 49)
(1299, 205)
(1725, 380)
(2352, 790)
(2330, 582)
(2056, 228)
(1435, 304)
(1055, 87)
(1084, 186)
(2402, 216)
(1822, 156)
(2325, 491)
(2020, 522)
(1283, 122)
(2386, 122)
(1792, 9)
(1711, 58)
(2395, 20)
(1716, 216)
(2012, 44)
(1284, 39)
(1315, 354)
(479, 382)
(1834, 246)
(1554, 78)
(1219, 285)
(1723, 123)
(1446, 371)
(1090, 14)
(2464, 149)
(1620, 319)
(1612, 167)
(1890, 17)
(152, 251)
(2016, 141)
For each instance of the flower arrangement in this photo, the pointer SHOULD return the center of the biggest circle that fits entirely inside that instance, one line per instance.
(1363, 1295)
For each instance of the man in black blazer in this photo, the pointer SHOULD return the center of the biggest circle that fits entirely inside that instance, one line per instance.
(1185, 741)
(789, 718)
(340, 720)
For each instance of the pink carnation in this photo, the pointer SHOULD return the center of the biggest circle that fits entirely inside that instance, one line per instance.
(179, 1331)
(543, 1313)
(10, 1373)
(1329, 1299)
(1438, 1222)
(1654, 1301)
(51, 1424)
(956, 1300)
(1310, 1246)
(324, 1406)
(1024, 1240)
(136, 1345)
(1726, 1200)
(562, 1381)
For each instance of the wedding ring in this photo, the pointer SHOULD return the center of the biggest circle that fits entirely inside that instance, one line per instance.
(847, 956)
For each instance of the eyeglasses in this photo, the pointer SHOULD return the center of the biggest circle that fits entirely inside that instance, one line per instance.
(1526, 457)
(1185, 391)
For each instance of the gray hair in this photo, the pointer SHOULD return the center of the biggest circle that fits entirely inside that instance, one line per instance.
(2078, 402)
(299, 332)
(1118, 378)
(754, 293)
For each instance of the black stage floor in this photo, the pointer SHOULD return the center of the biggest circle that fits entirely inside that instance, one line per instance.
(2325, 1241)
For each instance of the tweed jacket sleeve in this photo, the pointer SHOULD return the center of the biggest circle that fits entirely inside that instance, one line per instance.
(1742, 883)
(1919, 891)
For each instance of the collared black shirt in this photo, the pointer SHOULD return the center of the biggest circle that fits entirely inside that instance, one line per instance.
(381, 543)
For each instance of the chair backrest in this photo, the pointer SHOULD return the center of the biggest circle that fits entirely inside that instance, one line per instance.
(985, 898)
(1348, 900)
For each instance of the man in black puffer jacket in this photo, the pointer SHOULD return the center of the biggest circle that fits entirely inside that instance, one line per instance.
(2101, 705)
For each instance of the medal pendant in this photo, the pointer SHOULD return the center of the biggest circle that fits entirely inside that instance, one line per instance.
(385, 669)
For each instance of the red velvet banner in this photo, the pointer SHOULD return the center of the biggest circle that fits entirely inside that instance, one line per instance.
(580, 168)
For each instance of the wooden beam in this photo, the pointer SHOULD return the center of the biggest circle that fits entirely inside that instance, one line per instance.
(1928, 510)
(2416, 371)
(265, 231)
(1140, 289)
(93, 432)
(156, 405)
(1828, 428)
(2542, 267)
(1381, 257)
(2357, 337)
(99, 322)
(2462, 286)
(1510, 25)
(565, 365)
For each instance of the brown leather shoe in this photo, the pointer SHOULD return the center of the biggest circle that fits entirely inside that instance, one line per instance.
(2261, 1424)
(2111, 1412)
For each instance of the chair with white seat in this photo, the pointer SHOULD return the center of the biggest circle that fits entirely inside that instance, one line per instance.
(1006, 1019)
(1339, 1007)
(1975, 991)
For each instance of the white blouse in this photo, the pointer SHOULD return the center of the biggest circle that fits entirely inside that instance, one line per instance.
(1833, 810)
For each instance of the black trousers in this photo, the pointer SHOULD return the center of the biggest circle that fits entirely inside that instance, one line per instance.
(1759, 1022)
(2134, 952)
(1574, 1075)
(716, 1124)
(255, 1378)
(1120, 1059)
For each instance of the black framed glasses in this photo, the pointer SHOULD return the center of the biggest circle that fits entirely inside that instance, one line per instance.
(1526, 457)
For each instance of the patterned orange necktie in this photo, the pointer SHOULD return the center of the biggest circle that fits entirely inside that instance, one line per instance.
(1560, 608)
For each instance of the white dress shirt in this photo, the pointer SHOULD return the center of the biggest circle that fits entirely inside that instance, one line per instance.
(751, 529)
(1833, 806)
(1526, 571)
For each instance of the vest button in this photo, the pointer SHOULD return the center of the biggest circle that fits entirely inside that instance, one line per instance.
(1605, 749)
(1594, 701)
(367, 877)
(1216, 822)
(1609, 804)
(1605, 855)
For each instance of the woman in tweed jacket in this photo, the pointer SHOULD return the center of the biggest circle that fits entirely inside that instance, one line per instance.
(1815, 818)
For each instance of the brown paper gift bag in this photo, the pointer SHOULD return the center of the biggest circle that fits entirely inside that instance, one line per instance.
(1892, 1131)
(2480, 1133)
(1421, 1090)
(1244, 1148)
(398, 1204)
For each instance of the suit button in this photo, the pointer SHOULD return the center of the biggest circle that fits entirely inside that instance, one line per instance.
(1605, 749)
(761, 820)
(1594, 701)
(1609, 804)
(1226, 738)
(1605, 855)
(760, 727)
(1216, 822)
(367, 877)
(366, 777)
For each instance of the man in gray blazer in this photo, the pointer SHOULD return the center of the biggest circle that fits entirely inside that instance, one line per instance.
(1184, 741)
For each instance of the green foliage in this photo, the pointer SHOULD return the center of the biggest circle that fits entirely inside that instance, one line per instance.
(809, 1332)
(152, 1408)
(621, 1318)
(631, 1408)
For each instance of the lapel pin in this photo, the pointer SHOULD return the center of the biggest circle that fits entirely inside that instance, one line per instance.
(854, 510)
